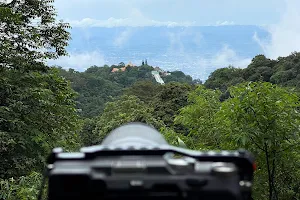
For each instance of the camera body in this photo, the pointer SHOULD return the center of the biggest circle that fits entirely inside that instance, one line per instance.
(128, 164)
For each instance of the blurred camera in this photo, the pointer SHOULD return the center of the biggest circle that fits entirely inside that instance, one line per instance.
(134, 161)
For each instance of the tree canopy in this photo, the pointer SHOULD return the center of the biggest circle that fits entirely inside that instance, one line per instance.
(264, 118)
(30, 34)
(124, 110)
(283, 71)
(37, 107)
(258, 116)
(99, 85)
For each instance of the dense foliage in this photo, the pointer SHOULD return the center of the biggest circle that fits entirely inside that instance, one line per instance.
(37, 105)
(99, 85)
(42, 107)
(283, 71)
(260, 117)
(265, 119)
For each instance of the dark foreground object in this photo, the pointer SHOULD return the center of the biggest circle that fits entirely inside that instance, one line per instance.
(135, 162)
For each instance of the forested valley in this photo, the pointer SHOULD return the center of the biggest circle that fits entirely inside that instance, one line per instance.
(41, 107)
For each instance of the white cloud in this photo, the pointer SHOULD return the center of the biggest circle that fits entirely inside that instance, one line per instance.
(136, 19)
(198, 39)
(175, 39)
(262, 43)
(200, 66)
(176, 45)
(224, 23)
(228, 56)
(79, 61)
(285, 35)
(225, 57)
(122, 39)
(120, 22)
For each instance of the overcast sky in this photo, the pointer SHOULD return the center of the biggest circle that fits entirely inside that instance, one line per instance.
(174, 12)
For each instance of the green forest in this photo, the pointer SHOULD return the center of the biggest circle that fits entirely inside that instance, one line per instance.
(42, 107)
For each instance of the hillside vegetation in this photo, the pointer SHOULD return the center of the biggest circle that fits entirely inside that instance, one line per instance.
(284, 71)
(42, 107)
(99, 85)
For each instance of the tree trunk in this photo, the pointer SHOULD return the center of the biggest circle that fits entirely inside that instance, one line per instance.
(275, 196)
(269, 172)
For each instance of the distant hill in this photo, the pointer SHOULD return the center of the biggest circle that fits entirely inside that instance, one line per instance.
(99, 85)
(284, 71)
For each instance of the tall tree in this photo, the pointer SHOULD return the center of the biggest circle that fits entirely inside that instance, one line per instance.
(121, 64)
(37, 113)
(87, 135)
(265, 119)
(178, 76)
(37, 108)
(30, 35)
(144, 90)
(224, 77)
(199, 117)
(168, 101)
(287, 70)
(124, 110)
(260, 69)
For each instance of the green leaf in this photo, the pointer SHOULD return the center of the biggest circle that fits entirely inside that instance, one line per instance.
(181, 143)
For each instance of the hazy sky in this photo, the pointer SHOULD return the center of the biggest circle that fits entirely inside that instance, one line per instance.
(152, 12)
(279, 17)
